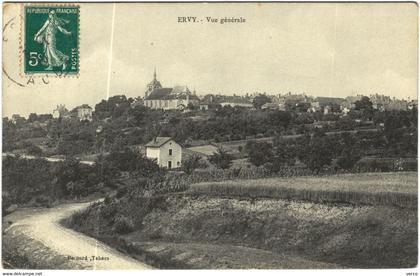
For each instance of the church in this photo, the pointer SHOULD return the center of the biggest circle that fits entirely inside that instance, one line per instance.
(178, 97)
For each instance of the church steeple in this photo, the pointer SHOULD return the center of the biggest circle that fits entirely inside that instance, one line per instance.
(154, 84)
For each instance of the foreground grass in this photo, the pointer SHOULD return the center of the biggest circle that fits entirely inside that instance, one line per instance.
(394, 189)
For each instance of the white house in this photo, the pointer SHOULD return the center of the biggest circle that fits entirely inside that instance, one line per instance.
(83, 112)
(238, 103)
(165, 151)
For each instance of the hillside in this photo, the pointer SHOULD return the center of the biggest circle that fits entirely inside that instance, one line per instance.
(186, 230)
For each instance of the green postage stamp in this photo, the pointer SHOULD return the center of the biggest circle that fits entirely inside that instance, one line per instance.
(51, 39)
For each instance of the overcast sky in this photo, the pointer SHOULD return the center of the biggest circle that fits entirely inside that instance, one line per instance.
(321, 49)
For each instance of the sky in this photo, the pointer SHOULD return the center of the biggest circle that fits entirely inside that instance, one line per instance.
(321, 49)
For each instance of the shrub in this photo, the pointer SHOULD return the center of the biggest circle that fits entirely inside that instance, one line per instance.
(43, 201)
(6, 202)
(123, 225)
(259, 152)
(32, 149)
(192, 163)
(221, 159)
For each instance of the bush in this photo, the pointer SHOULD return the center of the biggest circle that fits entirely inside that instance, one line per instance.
(193, 162)
(123, 225)
(32, 149)
(386, 164)
(6, 202)
(221, 159)
(259, 152)
(43, 201)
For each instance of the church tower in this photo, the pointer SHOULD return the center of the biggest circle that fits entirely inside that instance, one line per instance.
(154, 84)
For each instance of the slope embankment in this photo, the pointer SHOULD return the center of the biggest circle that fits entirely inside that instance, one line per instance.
(34, 238)
(182, 231)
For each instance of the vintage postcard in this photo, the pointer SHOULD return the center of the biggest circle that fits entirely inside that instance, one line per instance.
(210, 136)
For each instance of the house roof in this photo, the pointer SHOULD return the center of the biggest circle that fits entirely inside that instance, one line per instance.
(329, 100)
(236, 100)
(180, 89)
(83, 106)
(268, 105)
(158, 142)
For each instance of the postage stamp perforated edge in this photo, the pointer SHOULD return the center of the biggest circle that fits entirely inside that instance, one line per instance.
(55, 74)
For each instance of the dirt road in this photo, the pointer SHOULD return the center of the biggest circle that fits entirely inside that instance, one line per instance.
(43, 227)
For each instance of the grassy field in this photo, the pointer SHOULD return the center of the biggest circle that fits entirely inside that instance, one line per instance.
(395, 189)
(206, 149)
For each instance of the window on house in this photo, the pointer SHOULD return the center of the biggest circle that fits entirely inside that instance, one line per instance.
(169, 164)
(170, 151)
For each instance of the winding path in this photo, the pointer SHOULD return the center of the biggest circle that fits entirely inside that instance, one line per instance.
(44, 227)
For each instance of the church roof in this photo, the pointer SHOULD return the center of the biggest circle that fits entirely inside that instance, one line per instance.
(159, 94)
(178, 92)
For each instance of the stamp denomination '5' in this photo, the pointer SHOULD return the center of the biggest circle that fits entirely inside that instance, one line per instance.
(51, 39)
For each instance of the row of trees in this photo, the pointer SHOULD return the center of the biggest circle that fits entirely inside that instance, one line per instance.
(40, 182)
(319, 150)
(117, 124)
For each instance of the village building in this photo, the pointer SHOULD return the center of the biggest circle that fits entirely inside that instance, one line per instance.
(17, 119)
(178, 97)
(208, 105)
(83, 112)
(236, 101)
(138, 101)
(412, 105)
(61, 112)
(293, 99)
(314, 107)
(165, 151)
(382, 103)
(274, 106)
(327, 105)
(204, 106)
(353, 99)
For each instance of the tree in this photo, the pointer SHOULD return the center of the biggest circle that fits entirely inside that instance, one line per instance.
(285, 152)
(280, 118)
(395, 130)
(221, 159)
(350, 153)
(129, 161)
(191, 163)
(260, 100)
(317, 153)
(365, 106)
(259, 153)
(33, 117)
(114, 107)
(191, 106)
